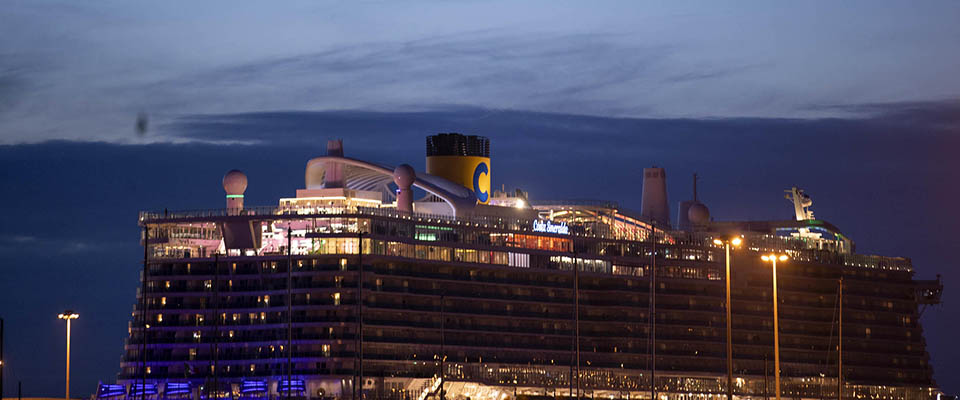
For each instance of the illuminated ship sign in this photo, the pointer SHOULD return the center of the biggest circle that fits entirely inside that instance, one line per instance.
(550, 227)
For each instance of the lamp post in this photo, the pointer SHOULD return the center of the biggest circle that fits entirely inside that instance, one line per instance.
(776, 328)
(726, 244)
(68, 315)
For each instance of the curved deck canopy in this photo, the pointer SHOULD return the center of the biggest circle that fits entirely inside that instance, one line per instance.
(365, 175)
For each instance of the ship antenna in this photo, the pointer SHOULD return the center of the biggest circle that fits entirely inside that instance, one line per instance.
(695, 187)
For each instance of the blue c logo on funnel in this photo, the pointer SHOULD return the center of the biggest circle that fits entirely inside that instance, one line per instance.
(481, 170)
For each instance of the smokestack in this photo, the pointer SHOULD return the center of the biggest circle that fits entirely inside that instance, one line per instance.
(333, 176)
(461, 159)
(654, 201)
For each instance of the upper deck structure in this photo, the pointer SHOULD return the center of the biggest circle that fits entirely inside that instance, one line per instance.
(384, 282)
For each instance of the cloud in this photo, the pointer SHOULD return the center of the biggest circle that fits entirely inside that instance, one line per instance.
(939, 115)
(18, 239)
(29, 244)
(710, 73)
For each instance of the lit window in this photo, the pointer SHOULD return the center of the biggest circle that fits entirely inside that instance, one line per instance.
(263, 316)
(167, 284)
(163, 301)
(159, 318)
(266, 299)
(336, 299)
(231, 334)
(149, 370)
(252, 367)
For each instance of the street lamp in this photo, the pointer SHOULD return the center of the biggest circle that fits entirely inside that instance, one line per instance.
(772, 258)
(726, 244)
(68, 315)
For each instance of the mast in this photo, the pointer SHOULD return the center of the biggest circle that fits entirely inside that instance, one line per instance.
(143, 314)
(695, 200)
(216, 324)
(289, 310)
(360, 305)
(443, 394)
(576, 327)
(729, 316)
(840, 341)
(765, 378)
(653, 314)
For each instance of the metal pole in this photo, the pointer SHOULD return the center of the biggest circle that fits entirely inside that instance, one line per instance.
(776, 332)
(143, 314)
(840, 342)
(653, 317)
(729, 330)
(576, 296)
(67, 391)
(766, 391)
(443, 394)
(216, 325)
(289, 310)
(575, 336)
(360, 307)
(821, 386)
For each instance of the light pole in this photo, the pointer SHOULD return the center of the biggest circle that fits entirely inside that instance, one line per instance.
(726, 244)
(776, 327)
(68, 315)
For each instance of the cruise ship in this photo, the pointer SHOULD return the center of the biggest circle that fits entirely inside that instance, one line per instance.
(388, 282)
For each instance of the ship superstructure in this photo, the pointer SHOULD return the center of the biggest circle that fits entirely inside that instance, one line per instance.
(384, 282)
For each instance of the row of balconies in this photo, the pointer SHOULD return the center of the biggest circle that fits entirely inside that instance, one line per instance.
(712, 363)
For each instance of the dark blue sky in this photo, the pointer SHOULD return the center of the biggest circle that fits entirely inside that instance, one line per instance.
(856, 102)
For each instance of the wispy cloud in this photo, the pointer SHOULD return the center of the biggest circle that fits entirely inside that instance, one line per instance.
(83, 72)
(29, 244)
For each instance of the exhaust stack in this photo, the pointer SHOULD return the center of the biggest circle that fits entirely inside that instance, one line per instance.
(654, 201)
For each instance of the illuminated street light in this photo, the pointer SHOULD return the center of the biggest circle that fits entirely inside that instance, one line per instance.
(772, 258)
(68, 315)
(726, 244)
